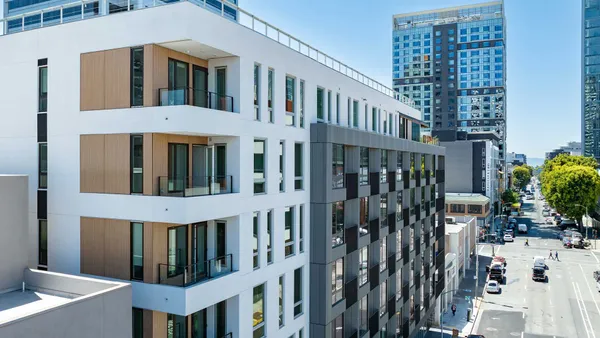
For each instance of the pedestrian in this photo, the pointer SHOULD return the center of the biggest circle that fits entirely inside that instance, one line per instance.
(556, 254)
(526, 242)
(453, 310)
(551, 257)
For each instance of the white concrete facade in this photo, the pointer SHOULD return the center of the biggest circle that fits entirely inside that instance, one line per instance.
(187, 26)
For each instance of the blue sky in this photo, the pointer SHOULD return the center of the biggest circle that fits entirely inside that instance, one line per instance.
(543, 48)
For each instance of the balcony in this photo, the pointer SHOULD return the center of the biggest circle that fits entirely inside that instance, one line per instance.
(176, 275)
(194, 186)
(195, 97)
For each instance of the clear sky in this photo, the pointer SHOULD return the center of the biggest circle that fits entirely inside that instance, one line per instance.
(543, 49)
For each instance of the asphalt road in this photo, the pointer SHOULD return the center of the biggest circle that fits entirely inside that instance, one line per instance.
(567, 306)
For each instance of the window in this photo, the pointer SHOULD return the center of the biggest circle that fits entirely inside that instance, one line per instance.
(412, 238)
(383, 170)
(383, 298)
(457, 208)
(281, 166)
(301, 104)
(298, 167)
(383, 254)
(281, 306)
(412, 166)
(411, 277)
(363, 310)
(363, 268)
(399, 245)
(374, 118)
(258, 309)
(337, 166)
(137, 164)
(337, 281)
(43, 165)
(290, 102)
(137, 318)
(475, 209)
(43, 89)
(289, 231)
(399, 155)
(366, 117)
(422, 198)
(43, 242)
(337, 223)
(137, 251)
(383, 210)
(399, 215)
(337, 108)
(320, 104)
(259, 166)
(176, 326)
(412, 201)
(364, 166)
(256, 92)
(301, 227)
(255, 243)
(301, 333)
(137, 77)
(364, 215)
(298, 292)
(337, 327)
(433, 165)
(269, 236)
(349, 112)
(270, 95)
(412, 308)
(329, 103)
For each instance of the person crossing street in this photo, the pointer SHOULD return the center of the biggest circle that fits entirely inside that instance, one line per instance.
(551, 257)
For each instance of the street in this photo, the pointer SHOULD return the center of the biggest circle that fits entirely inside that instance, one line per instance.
(567, 306)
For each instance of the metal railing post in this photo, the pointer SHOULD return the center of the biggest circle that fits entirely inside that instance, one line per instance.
(222, 8)
(22, 22)
(61, 14)
(42, 19)
(82, 10)
(128, 5)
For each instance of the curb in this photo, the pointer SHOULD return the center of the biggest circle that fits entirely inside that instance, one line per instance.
(487, 278)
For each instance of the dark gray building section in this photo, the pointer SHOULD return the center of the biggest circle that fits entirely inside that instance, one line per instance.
(444, 117)
(423, 216)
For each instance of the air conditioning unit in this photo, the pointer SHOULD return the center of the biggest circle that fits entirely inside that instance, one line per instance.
(450, 220)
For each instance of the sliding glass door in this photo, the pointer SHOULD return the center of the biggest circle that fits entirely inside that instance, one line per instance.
(178, 167)
(200, 82)
(176, 326)
(199, 256)
(177, 251)
(178, 82)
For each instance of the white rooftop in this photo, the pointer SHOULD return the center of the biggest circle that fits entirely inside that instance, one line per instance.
(18, 304)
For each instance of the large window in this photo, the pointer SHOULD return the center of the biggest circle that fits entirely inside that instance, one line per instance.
(337, 223)
(43, 165)
(337, 166)
(475, 209)
(259, 167)
(457, 208)
(399, 283)
(289, 231)
(363, 267)
(257, 92)
(355, 114)
(258, 310)
(269, 236)
(364, 166)
(383, 210)
(382, 298)
(399, 215)
(337, 327)
(320, 104)
(337, 281)
(301, 228)
(137, 164)
(43, 89)
(399, 244)
(290, 101)
(399, 155)
(383, 254)
(412, 308)
(364, 215)
(137, 76)
(281, 302)
(43, 242)
(281, 166)
(255, 244)
(363, 310)
(270, 96)
(298, 293)
(384, 164)
(298, 166)
(137, 251)
(176, 326)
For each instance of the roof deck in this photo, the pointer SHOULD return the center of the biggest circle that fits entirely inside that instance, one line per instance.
(19, 304)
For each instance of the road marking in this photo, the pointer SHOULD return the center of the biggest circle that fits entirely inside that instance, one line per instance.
(583, 309)
(483, 246)
(593, 254)
(589, 288)
(523, 315)
(522, 334)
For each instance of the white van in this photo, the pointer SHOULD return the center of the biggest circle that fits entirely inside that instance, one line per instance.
(522, 228)
(539, 262)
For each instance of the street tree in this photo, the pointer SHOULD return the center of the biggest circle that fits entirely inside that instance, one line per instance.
(510, 196)
(521, 177)
(559, 161)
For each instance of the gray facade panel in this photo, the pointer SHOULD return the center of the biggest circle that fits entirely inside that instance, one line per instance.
(459, 166)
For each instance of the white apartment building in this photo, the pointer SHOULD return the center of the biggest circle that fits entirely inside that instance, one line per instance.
(169, 147)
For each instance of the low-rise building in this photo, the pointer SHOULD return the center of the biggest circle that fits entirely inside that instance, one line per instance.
(464, 204)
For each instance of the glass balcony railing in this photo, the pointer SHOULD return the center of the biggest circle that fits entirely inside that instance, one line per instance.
(183, 276)
(195, 97)
(194, 186)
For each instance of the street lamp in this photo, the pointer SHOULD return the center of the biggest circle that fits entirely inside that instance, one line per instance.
(442, 312)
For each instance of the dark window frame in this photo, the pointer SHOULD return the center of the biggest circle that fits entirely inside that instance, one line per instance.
(42, 254)
(132, 160)
(132, 266)
(132, 98)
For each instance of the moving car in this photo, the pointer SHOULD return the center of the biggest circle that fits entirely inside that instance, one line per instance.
(539, 273)
(539, 262)
(598, 286)
(596, 275)
(522, 228)
(529, 197)
(496, 271)
(492, 287)
(549, 220)
(508, 238)
(546, 213)
(567, 242)
(566, 223)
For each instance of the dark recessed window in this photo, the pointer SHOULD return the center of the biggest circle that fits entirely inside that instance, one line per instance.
(137, 251)
(137, 76)
(137, 163)
(43, 165)
(43, 242)
(43, 89)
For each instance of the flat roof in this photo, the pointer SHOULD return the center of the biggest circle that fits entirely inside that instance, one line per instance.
(447, 9)
(18, 304)
(454, 228)
(466, 198)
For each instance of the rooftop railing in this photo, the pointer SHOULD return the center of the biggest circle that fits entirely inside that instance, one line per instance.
(86, 9)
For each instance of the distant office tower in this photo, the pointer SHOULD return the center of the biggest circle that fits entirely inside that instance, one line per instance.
(590, 112)
(451, 62)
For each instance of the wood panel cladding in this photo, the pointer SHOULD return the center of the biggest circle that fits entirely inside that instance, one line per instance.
(159, 247)
(105, 163)
(159, 321)
(105, 247)
(105, 79)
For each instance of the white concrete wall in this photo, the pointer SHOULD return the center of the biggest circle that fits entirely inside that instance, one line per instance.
(13, 230)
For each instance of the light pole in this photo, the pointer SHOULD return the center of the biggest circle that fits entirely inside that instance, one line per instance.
(442, 312)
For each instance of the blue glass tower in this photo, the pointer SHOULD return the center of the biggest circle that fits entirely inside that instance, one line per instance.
(590, 116)
(452, 63)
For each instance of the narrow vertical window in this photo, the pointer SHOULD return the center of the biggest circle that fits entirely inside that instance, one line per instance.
(383, 298)
(320, 104)
(337, 109)
(366, 117)
(256, 92)
(329, 98)
(363, 268)
(411, 244)
(374, 117)
(412, 201)
(390, 121)
(399, 245)
(301, 228)
(383, 210)
(270, 94)
(337, 327)
(137, 76)
(364, 316)
(43, 242)
(301, 104)
(269, 236)
(383, 168)
(137, 164)
(290, 102)
(349, 112)
(337, 223)
(255, 227)
(258, 311)
(383, 254)
(399, 206)
(281, 165)
(176, 326)
(281, 304)
(412, 166)
(137, 251)
(399, 155)
(43, 165)
(364, 215)
(384, 122)
(433, 165)
(43, 86)
(364, 166)
(337, 162)
(289, 231)
(298, 292)
(298, 167)
(137, 319)
(259, 166)
(355, 114)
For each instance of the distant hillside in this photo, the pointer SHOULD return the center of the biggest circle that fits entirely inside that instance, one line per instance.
(532, 161)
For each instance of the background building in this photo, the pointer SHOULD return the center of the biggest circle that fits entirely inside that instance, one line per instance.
(516, 159)
(452, 63)
(572, 148)
(590, 53)
(464, 204)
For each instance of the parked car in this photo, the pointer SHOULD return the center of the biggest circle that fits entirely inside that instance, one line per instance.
(566, 223)
(508, 238)
(560, 235)
(549, 220)
(598, 285)
(546, 213)
(522, 228)
(596, 275)
(567, 242)
(499, 259)
(492, 287)
(530, 197)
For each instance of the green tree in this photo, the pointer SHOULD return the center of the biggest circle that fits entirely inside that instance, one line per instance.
(510, 196)
(571, 188)
(521, 177)
(559, 161)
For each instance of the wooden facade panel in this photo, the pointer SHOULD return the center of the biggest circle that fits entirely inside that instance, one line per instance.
(92, 73)
(92, 246)
(160, 66)
(149, 267)
(160, 159)
(149, 93)
(148, 319)
(117, 79)
(117, 249)
(117, 164)
(91, 163)
(159, 240)
(159, 322)
(147, 166)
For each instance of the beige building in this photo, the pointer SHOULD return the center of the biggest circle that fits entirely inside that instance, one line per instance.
(465, 204)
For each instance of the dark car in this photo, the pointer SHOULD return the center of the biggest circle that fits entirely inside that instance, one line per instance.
(539, 274)
(596, 275)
